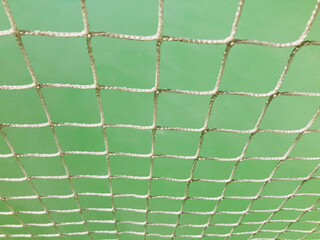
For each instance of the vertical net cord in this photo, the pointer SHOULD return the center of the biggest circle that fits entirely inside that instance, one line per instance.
(206, 122)
(32, 187)
(155, 103)
(102, 119)
(38, 89)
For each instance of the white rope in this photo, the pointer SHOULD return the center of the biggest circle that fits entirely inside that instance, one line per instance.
(229, 42)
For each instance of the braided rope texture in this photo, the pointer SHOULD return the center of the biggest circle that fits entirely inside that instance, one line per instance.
(111, 225)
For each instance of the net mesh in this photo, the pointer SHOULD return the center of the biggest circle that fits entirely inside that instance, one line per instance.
(12, 230)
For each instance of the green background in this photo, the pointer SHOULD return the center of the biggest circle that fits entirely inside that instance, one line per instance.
(184, 66)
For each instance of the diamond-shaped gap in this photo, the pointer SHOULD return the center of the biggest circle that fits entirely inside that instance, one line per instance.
(254, 169)
(125, 63)
(16, 189)
(92, 215)
(307, 146)
(303, 75)
(168, 188)
(43, 166)
(80, 164)
(211, 169)
(128, 215)
(71, 229)
(33, 218)
(43, 230)
(127, 107)
(60, 203)
(94, 201)
(13, 231)
(129, 202)
(295, 168)
(162, 218)
(225, 218)
(301, 202)
(242, 189)
(163, 230)
(123, 227)
(134, 166)
(80, 138)
(253, 68)
(129, 140)
(190, 66)
(205, 189)
(101, 226)
(290, 112)
(266, 144)
(13, 68)
(10, 168)
(52, 186)
(266, 203)
(275, 226)
(311, 186)
(195, 219)
(256, 216)
(172, 167)
(223, 144)
(32, 140)
(176, 142)
(263, 235)
(188, 230)
(52, 15)
(221, 230)
(279, 188)
(242, 229)
(303, 226)
(292, 235)
(236, 112)
(264, 24)
(66, 216)
(233, 205)
(162, 204)
(59, 60)
(9, 219)
(199, 205)
(202, 15)
(21, 106)
(91, 185)
(129, 186)
(138, 18)
(181, 110)
(72, 105)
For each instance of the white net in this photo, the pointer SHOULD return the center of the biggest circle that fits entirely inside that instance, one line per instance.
(13, 230)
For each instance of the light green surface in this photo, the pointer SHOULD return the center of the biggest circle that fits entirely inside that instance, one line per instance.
(183, 66)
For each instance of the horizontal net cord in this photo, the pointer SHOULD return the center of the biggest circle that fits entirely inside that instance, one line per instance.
(151, 234)
(160, 212)
(156, 155)
(150, 127)
(153, 90)
(157, 178)
(155, 37)
(155, 224)
(124, 195)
